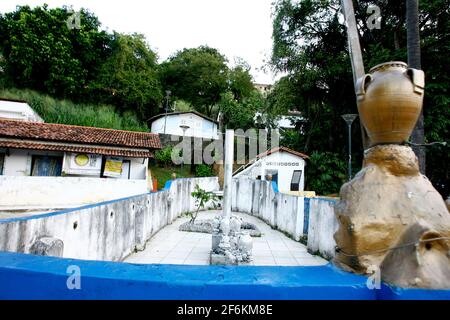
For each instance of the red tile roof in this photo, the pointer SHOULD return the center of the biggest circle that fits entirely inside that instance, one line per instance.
(278, 149)
(107, 151)
(77, 134)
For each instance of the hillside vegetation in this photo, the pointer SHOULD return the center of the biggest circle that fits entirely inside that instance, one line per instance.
(66, 112)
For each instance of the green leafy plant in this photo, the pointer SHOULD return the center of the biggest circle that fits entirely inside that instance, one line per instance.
(202, 197)
(164, 156)
(203, 170)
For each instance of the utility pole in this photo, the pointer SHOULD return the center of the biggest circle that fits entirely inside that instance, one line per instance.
(168, 93)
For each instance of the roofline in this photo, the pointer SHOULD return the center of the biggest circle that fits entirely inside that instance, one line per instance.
(268, 153)
(13, 100)
(278, 149)
(181, 112)
(77, 126)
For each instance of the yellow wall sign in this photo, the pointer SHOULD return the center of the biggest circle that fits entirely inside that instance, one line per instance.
(113, 167)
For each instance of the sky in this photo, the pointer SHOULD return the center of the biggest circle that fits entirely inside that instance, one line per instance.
(237, 28)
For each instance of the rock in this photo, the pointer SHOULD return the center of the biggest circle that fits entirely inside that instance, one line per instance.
(47, 246)
(379, 207)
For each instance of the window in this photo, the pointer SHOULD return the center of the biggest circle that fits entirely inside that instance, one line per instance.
(46, 166)
(2, 162)
(296, 178)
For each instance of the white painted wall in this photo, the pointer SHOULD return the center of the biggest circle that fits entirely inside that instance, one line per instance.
(108, 231)
(18, 111)
(63, 192)
(279, 210)
(322, 226)
(20, 190)
(198, 127)
(285, 163)
(18, 163)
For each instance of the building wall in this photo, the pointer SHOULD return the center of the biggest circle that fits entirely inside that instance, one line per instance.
(18, 163)
(284, 162)
(18, 111)
(105, 231)
(198, 126)
(20, 190)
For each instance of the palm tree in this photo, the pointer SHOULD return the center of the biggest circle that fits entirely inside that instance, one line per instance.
(413, 46)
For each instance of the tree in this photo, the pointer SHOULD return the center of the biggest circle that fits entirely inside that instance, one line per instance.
(40, 51)
(198, 76)
(240, 114)
(310, 46)
(413, 47)
(240, 81)
(202, 197)
(129, 77)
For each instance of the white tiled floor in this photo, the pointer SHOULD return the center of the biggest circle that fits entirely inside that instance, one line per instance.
(170, 246)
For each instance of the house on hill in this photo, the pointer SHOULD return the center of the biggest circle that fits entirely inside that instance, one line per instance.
(17, 110)
(189, 124)
(56, 165)
(285, 166)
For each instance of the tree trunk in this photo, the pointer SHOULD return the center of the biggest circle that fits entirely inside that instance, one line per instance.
(413, 45)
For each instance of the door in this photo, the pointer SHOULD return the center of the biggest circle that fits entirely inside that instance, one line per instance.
(46, 166)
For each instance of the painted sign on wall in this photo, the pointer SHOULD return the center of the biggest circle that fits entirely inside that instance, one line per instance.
(113, 167)
(84, 164)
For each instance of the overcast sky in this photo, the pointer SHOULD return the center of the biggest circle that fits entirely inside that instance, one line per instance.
(237, 28)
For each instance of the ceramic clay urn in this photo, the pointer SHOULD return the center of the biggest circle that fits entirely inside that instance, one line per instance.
(390, 99)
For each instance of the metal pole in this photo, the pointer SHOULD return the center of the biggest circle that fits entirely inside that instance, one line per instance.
(168, 92)
(349, 118)
(349, 152)
(229, 155)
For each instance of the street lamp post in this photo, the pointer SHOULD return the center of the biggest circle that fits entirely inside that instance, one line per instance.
(184, 128)
(349, 118)
(168, 93)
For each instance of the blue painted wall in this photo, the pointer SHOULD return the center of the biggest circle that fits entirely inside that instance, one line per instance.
(35, 277)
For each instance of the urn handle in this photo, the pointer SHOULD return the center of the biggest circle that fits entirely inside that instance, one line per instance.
(418, 79)
(361, 85)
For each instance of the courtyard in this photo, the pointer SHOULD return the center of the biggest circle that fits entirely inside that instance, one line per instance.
(171, 246)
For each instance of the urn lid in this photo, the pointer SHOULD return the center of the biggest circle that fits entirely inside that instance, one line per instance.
(384, 65)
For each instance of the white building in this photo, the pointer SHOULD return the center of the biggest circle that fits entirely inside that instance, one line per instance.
(54, 165)
(286, 166)
(189, 124)
(17, 110)
(281, 122)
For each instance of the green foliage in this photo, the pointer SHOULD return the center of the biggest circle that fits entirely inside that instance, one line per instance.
(129, 77)
(240, 80)
(310, 45)
(164, 156)
(326, 173)
(198, 76)
(202, 197)
(240, 114)
(42, 53)
(66, 112)
(203, 170)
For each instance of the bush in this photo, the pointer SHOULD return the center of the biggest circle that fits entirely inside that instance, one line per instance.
(326, 172)
(164, 156)
(203, 170)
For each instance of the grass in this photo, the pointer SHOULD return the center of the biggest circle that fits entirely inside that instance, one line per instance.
(66, 112)
(165, 174)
